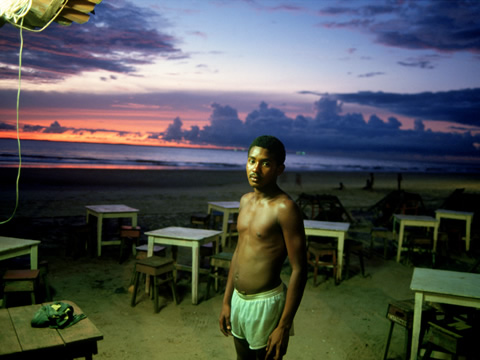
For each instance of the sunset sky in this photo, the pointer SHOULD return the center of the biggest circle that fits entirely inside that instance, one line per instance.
(376, 77)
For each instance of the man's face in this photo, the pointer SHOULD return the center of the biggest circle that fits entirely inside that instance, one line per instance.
(262, 168)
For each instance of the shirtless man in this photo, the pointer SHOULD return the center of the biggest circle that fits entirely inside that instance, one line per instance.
(258, 310)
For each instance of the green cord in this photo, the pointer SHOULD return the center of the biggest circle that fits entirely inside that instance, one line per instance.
(18, 131)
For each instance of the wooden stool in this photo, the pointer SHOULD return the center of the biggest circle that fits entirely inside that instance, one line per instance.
(218, 262)
(43, 267)
(232, 231)
(155, 267)
(401, 313)
(454, 337)
(356, 248)
(382, 233)
(202, 220)
(319, 252)
(80, 241)
(129, 234)
(419, 243)
(142, 253)
(206, 221)
(20, 281)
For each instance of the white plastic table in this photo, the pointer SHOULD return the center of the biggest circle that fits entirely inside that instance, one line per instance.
(12, 247)
(441, 286)
(227, 208)
(109, 212)
(457, 215)
(336, 230)
(416, 221)
(188, 237)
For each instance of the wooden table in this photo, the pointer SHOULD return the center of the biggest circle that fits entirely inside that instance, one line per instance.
(13, 247)
(19, 340)
(457, 215)
(109, 212)
(332, 229)
(227, 208)
(413, 220)
(188, 237)
(440, 286)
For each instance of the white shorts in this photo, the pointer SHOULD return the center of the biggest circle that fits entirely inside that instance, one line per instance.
(254, 317)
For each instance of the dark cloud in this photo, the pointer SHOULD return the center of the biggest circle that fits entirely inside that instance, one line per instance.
(371, 74)
(174, 130)
(119, 37)
(446, 26)
(328, 131)
(55, 128)
(456, 106)
(8, 127)
(422, 64)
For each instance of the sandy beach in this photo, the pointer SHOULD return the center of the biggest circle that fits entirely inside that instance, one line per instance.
(347, 321)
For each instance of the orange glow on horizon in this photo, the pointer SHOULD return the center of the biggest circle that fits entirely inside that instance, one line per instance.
(132, 126)
(119, 141)
(117, 119)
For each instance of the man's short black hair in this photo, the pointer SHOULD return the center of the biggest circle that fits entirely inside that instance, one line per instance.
(273, 145)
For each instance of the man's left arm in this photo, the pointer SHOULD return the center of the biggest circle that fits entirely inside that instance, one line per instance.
(291, 222)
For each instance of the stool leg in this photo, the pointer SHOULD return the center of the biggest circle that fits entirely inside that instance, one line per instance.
(389, 337)
(134, 272)
(174, 289)
(347, 264)
(408, 342)
(209, 283)
(315, 271)
(334, 260)
(135, 288)
(362, 264)
(428, 352)
(385, 248)
(43, 275)
(155, 294)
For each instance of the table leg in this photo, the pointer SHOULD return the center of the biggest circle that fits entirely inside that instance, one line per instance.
(226, 215)
(134, 244)
(150, 246)
(417, 320)
(340, 246)
(467, 233)
(151, 243)
(400, 240)
(195, 269)
(217, 250)
(99, 234)
(34, 257)
(435, 234)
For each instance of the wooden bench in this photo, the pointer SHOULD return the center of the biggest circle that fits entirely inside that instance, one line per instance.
(322, 255)
(20, 281)
(218, 263)
(19, 340)
(161, 270)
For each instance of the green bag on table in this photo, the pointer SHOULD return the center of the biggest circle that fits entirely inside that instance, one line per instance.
(58, 315)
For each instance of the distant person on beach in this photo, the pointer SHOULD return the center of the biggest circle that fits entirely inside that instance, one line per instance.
(258, 309)
(399, 181)
(369, 184)
(298, 179)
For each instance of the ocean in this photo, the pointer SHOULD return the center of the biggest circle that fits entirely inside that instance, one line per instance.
(50, 154)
